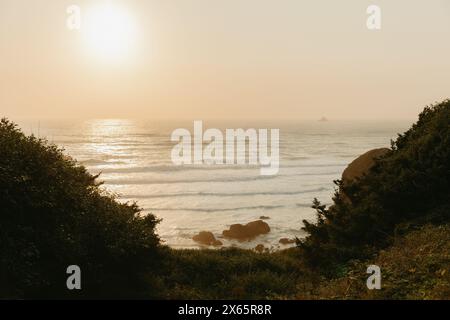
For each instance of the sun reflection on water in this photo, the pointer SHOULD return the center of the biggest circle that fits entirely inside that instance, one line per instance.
(106, 135)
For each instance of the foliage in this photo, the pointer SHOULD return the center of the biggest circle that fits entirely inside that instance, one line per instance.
(408, 187)
(416, 266)
(232, 274)
(54, 214)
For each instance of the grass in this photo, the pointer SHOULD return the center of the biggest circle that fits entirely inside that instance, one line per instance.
(231, 274)
(416, 266)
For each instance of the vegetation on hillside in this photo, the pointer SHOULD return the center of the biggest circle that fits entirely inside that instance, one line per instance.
(408, 187)
(53, 213)
(416, 266)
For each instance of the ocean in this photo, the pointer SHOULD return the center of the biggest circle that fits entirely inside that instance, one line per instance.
(133, 157)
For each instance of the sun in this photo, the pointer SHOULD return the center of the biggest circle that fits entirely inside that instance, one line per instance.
(109, 32)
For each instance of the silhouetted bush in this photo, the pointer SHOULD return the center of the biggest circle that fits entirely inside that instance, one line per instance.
(54, 214)
(407, 187)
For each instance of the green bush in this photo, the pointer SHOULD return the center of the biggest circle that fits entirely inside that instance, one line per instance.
(408, 187)
(54, 214)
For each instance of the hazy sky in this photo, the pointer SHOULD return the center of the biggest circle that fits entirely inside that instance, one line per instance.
(210, 59)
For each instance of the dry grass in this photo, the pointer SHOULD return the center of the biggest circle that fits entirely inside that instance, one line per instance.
(417, 266)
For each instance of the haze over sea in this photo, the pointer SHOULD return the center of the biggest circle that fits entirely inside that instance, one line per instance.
(134, 159)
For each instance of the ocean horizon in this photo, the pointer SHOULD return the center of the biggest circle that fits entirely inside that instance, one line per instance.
(133, 159)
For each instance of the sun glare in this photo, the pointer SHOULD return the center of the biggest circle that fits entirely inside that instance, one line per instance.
(109, 32)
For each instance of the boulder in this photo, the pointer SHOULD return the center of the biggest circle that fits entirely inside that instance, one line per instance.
(206, 238)
(361, 165)
(264, 218)
(248, 231)
(286, 241)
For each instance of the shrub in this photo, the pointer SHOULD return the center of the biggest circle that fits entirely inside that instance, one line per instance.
(407, 187)
(54, 214)
(415, 267)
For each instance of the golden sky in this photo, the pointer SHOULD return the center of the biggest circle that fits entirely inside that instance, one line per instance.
(215, 59)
